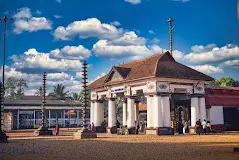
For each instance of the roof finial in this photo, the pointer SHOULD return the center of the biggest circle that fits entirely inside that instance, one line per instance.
(170, 21)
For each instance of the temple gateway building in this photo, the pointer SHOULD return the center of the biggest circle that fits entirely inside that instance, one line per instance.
(174, 92)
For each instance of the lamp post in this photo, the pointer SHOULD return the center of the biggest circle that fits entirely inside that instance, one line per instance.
(43, 130)
(3, 137)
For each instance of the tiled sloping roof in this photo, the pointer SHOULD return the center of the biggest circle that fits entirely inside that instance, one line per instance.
(158, 65)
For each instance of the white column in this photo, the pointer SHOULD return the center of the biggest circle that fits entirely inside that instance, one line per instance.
(158, 112)
(131, 112)
(18, 119)
(202, 105)
(125, 113)
(194, 111)
(77, 117)
(49, 118)
(136, 106)
(34, 118)
(166, 111)
(111, 113)
(149, 111)
(92, 104)
(98, 113)
(64, 118)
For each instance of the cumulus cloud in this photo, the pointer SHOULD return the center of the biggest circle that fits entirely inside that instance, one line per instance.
(24, 21)
(59, 1)
(133, 1)
(115, 23)
(207, 69)
(230, 63)
(129, 38)
(155, 41)
(212, 54)
(91, 27)
(71, 52)
(34, 61)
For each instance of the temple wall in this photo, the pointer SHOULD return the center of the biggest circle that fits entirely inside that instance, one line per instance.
(216, 115)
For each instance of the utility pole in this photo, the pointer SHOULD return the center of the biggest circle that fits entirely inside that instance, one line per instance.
(3, 137)
(170, 21)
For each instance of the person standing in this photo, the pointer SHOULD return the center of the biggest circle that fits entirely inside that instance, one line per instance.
(92, 127)
(185, 127)
(208, 126)
(204, 126)
(57, 129)
(198, 127)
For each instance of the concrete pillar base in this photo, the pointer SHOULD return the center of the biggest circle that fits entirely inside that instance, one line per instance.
(159, 131)
(192, 130)
(43, 131)
(84, 134)
(111, 130)
(100, 129)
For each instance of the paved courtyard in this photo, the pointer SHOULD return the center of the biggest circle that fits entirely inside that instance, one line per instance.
(204, 147)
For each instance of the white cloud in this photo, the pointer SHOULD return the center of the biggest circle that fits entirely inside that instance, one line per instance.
(34, 61)
(151, 32)
(71, 52)
(24, 21)
(115, 23)
(57, 16)
(129, 38)
(155, 41)
(59, 1)
(133, 1)
(207, 69)
(212, 54)
(91, 27)
(103, 49)
(230, 63)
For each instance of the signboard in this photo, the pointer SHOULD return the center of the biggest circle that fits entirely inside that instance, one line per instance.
(117, 89)
(93, 95)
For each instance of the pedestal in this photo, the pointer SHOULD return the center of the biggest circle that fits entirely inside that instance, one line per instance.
(100, 129)
(43, 131)
(192, 130)
(84, 134)
(3, 137)
(159, 131)
(132, 130)
(111, 130)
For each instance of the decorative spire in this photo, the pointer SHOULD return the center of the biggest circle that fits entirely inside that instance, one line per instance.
(43, 99)
(170, 21)
(84, 92)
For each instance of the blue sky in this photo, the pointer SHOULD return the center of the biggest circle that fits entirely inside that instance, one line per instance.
(56, 35)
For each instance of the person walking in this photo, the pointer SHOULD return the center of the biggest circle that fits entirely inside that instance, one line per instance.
(92, 127)
(57, 129)
(208, 127)
(204, 126)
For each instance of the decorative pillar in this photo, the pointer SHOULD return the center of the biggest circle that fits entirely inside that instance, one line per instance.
(131, 112)
(92, 112)
(202, 106)
(158, 112)
(111, 116)
(77, 117)
(136, 106)
(49, 118)
(98, 113)
(194, 111)
(64, 118)
(166, 111)
(18, 119)
(125, 113)
(150, 111)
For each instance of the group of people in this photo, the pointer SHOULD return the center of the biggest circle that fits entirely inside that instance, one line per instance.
(203, 127)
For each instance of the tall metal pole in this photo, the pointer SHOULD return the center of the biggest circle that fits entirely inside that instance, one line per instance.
(84, 92)
(170, 21)
(43, 100)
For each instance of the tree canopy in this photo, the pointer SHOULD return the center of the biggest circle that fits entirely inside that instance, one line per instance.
(224, 82)
(14, 87)
(59, 92)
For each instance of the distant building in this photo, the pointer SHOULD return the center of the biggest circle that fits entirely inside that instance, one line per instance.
(26, 112)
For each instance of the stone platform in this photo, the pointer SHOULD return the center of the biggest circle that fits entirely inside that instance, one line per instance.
(42, 131)
(111, 130)
(159, 131)
(84, 134)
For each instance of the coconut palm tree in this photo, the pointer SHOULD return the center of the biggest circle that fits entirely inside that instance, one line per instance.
(76, 96)
(59, 92)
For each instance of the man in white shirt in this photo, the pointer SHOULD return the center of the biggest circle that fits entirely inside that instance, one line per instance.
(204, 126)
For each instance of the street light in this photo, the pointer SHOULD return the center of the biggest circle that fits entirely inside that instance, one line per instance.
(3, 136)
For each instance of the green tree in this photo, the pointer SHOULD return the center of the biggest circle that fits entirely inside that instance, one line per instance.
(39, 91)
(59, 92)
(224, 82)
(76, 96)
(21, 84)
(14, 87)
